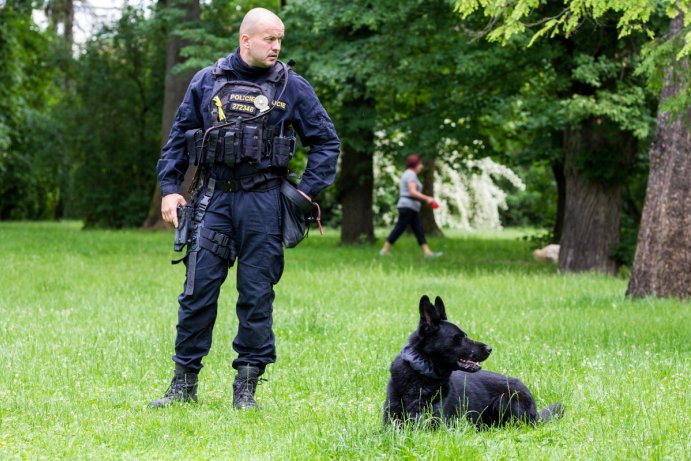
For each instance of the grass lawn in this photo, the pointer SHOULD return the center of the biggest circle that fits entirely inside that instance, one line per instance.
(88, 325)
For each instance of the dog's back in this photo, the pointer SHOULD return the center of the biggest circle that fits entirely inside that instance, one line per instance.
(491, 398)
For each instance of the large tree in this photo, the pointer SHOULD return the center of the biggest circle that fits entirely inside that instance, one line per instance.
(657, 270)
(663, 257)
(604, 108)
(356, 179)
(583, 113)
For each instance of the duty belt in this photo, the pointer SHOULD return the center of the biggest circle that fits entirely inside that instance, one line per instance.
(249, 183)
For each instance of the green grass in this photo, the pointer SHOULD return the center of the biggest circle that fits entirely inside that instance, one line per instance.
(88, 324)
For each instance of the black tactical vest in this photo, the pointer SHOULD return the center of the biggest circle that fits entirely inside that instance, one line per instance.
(240, 112)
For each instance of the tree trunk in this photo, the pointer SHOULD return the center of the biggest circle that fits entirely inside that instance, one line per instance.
(662, 266)
(592, 209)
(62, 12)
(66, 16)
(426, 212)
(558, 171)
(68, 33)
(175, 87)
(356, 188)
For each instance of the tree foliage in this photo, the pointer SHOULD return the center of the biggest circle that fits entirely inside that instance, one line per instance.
(405, 70)
(30, 165)
(507, 19)
(116, 122)
(656, 270)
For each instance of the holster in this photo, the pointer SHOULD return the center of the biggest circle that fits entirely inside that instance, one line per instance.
(183, 232)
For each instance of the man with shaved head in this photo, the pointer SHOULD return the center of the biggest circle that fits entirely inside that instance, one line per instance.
(256, 49)
(237, 125)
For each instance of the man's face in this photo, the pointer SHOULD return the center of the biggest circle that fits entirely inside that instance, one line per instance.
(263, 45)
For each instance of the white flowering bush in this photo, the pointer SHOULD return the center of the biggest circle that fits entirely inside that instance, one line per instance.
(466, 188)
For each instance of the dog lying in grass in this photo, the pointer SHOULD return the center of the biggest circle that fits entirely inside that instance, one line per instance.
(438, 374)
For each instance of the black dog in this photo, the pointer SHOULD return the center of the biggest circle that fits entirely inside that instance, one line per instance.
(437, 373)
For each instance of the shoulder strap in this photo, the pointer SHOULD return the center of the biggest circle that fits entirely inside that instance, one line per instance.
(277, 72)
(220, 76)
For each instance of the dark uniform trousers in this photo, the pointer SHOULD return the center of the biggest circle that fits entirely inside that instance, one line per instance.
(253, 220)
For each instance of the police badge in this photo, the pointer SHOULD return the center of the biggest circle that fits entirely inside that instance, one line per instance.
(261, 102)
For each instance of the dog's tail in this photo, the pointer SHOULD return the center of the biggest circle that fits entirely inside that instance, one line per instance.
(550, 412)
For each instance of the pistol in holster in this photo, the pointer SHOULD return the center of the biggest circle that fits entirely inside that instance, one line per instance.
(183, 233)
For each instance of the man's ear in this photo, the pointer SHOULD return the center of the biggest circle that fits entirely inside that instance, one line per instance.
(439, 304)
(429, 317)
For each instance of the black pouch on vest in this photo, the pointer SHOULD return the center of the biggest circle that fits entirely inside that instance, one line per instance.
(231, 146)
(184, 230)
(194, 140)
(212, 149)
(252, 143)
(294, 208)
(282, 151)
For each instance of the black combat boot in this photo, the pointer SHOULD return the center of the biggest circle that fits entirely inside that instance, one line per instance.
(244, 386)
(183, 388)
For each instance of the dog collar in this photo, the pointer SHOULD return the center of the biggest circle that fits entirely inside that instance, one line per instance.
(420, 364)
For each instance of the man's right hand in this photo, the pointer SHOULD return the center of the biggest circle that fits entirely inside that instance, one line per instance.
(169, 208)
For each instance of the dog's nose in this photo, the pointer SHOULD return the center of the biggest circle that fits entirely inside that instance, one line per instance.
(488, 349)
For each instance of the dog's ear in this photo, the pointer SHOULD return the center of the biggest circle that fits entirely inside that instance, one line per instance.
(439, 304)
(429, 316)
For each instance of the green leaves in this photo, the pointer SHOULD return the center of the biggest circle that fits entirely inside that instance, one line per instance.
(116, 127)
(627, 108)
(592, 70)
(512, 17)
(622, 100)
(29, 176)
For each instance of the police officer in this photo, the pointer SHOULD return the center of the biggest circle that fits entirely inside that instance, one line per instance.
(237, 122)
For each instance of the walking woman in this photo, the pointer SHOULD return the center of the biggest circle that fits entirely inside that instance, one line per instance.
(409, 204)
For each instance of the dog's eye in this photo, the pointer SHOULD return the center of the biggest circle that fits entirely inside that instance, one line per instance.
(458, 338)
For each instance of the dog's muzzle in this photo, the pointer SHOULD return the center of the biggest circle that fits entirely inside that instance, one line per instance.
(468, 365)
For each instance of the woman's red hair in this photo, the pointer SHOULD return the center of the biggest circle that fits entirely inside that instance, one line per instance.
(412, 161)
